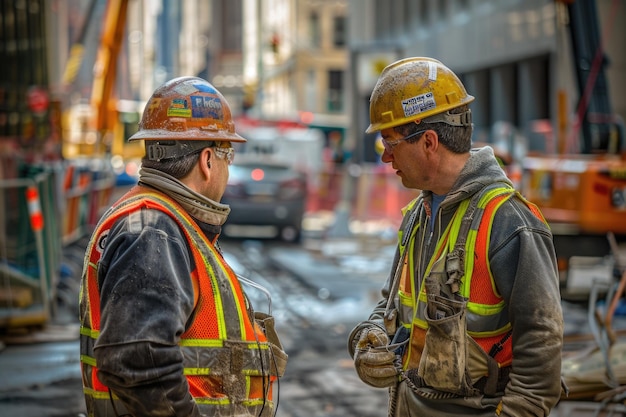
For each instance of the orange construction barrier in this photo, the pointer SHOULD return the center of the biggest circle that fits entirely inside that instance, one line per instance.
(34, 208)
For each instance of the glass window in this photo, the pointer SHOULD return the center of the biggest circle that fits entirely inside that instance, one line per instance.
(408, 13)
(424, 12)
(314, 29)
(442, 8)
(335, 90)
(383, 25)
(339, 31)
(231, 28)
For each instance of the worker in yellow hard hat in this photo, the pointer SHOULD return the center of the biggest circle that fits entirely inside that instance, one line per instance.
(470, 320)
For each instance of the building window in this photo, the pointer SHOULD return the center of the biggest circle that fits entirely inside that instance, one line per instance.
(383, 24)
(231, 27)
(408, 14)
(425, 12)
(335, 91)
(339, 31)
(314, 29)
(311, 91)
(442, 8)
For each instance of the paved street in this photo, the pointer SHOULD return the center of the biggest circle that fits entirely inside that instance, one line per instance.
(319, 291)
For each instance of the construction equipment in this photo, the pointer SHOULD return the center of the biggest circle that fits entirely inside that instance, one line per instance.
(581, 186)
(94, 128)
(101, 126)
(598, 372)
(50, 201)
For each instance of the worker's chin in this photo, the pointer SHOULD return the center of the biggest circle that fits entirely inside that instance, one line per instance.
(407, 183)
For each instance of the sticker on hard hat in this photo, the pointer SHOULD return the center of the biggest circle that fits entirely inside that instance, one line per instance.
(179, 108)
(154, 103)
(185, 89)
(206, 88)
(209, 107)
(432, 71)
(418, 104)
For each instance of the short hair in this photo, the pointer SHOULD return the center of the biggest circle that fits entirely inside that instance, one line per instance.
(178, 167)
(457, 139)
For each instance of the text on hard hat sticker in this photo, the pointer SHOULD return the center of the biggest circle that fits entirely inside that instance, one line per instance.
(418, 104)
(179, 108)
(210, 107)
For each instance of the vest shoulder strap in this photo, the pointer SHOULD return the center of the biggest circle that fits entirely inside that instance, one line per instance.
(472, 215)
(474, 211)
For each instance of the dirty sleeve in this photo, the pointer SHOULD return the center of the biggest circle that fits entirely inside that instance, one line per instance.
(146, 300)
(524, 267)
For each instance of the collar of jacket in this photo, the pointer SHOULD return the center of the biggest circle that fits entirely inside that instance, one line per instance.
(197, 205)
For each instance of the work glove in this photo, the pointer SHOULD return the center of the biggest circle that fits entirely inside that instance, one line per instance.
(373, 362)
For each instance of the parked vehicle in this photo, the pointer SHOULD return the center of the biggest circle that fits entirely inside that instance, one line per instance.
(267, 199)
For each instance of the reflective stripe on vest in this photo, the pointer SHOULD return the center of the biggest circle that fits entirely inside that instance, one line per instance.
(226, 356)
(485, 321)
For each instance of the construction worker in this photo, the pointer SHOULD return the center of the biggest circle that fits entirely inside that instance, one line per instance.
(470, 323)
(166, 327)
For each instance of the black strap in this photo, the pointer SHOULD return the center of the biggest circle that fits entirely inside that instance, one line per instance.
(497, 347)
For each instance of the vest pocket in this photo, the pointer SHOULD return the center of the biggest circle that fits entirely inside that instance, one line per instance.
(444, 358)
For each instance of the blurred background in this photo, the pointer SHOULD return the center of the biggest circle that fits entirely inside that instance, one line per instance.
(549, 77)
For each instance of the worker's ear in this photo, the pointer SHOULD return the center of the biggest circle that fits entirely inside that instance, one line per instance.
(430, 141)
(204, 161)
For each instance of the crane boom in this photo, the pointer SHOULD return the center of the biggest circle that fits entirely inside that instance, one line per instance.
(105, 69)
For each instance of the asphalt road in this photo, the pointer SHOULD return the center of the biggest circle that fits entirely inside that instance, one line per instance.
(40, 367)
(318, 292)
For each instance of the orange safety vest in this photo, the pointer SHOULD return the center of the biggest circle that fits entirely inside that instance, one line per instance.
(487, 324)
(228, 361)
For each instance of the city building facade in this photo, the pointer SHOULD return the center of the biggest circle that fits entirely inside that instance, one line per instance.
(515, 56)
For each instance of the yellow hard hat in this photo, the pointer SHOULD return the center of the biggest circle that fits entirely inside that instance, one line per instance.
(413, 89)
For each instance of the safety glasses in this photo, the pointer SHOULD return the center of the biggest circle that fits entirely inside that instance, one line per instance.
(228, 153)
(389, 145)
(225, 151)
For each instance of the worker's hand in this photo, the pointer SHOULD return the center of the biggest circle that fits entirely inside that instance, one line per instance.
(373, 362)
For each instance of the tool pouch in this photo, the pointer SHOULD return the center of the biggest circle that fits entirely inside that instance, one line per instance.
(278, 356)
(444, 358)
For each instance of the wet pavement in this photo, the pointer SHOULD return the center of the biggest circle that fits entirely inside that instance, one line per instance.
(40, 371)
(41, 377)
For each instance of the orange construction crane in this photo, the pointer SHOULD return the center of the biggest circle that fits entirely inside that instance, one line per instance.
(105, 71)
